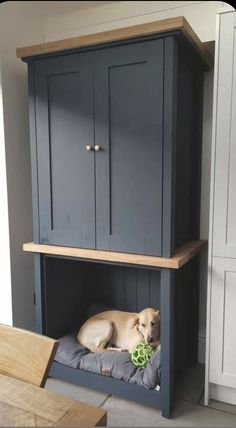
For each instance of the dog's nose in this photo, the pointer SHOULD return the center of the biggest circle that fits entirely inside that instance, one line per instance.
(149, 339)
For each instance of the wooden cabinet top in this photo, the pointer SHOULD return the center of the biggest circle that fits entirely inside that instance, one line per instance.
(182, 255)
(141, 30)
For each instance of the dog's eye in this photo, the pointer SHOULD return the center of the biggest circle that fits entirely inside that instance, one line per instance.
(143, 325)
(153, 323)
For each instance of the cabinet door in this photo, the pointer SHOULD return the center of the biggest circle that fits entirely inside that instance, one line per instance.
(223, 321)
(224, 226)
(64, 126)
(128, 128)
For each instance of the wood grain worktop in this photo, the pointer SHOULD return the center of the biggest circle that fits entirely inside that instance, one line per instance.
(182, 255)
(23, 404)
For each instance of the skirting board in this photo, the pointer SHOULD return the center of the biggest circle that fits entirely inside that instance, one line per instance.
(201, 346)
(223, 393)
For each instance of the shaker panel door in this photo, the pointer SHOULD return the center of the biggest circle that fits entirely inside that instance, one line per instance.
(223, 320)
(65, 126)
(224, 224)
(128, 129)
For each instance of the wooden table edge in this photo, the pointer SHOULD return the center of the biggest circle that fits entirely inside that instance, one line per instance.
(89, 416)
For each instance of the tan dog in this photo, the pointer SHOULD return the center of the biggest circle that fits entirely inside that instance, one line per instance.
(122, 329)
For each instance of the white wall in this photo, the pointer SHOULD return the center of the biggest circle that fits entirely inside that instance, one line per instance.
(200, 14)
(5, 289)
(16, 290)
(14, 91)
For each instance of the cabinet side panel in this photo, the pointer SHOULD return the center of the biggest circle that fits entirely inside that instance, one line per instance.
(186, 314)
(169, 144)
(188, 146)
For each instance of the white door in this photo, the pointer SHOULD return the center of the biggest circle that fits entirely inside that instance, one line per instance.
(223, 323)
(224, 223)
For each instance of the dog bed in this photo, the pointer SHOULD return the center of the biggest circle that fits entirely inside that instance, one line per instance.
(113, 363)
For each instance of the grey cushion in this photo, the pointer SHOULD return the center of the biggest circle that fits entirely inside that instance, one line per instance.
(69, 351)
(115, 364)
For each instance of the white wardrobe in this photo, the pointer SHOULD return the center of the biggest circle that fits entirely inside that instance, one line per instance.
(221, 316)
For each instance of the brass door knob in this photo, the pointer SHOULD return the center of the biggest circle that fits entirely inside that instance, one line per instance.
(89, 148)
(97, 147)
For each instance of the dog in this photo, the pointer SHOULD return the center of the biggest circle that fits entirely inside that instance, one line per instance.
(120, 331)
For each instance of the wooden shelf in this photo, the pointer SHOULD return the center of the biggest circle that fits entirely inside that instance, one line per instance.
(150, 28)
(182, 255)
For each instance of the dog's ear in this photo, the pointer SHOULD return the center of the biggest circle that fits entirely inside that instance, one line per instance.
(158, 315)
(135, 321)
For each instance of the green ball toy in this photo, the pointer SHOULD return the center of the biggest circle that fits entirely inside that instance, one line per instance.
(141, 354)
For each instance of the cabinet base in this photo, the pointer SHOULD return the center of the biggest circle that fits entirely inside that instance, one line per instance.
(126, 390)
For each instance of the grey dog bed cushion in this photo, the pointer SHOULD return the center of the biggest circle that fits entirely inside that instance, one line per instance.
(115, 364)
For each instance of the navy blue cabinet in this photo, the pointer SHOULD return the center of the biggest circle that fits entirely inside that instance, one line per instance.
(115, 134)
(112, 149)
